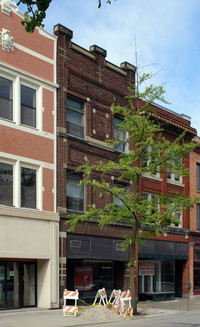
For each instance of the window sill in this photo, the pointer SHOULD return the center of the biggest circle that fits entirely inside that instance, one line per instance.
(71, 211)
(156, 178)
(28, 126)
(100, 144)
(7, 120)
(169, 181)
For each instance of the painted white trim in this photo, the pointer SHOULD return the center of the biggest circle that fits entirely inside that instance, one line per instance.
(26, 129)
(34, 54)
(41, 30)
(8, 69)
(8, 157)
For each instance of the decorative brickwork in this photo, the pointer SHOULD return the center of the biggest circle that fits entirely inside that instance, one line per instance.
(89, 78)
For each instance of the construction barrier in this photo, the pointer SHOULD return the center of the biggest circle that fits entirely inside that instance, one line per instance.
(115, 300)
(102, 296)
(114, 295)
(69, 310)
(126, 307)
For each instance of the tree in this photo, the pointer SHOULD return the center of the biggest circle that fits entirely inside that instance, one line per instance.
(149, 153)
(36, 13)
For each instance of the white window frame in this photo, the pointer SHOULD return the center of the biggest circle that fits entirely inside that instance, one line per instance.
(157, 175)
(180, 214)
(172, 178)
(17, 164)
(8, 162)
(149, 198)
(126, 144)
(83, 114)
(17, 81)
(84, 193)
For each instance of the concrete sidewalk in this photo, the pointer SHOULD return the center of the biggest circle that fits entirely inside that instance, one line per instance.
(54, 318)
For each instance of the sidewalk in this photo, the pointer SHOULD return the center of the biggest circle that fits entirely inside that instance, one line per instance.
(54, 318)
(176, 306)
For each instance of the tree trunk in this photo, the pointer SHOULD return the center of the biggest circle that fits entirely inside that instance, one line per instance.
(132, 262)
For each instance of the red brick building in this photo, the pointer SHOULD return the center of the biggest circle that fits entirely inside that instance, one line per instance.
(194, 254)
(91, 258)
(28, 220)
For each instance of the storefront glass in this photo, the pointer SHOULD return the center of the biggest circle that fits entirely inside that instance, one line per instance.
(88, 276)
(17, 284)
(197, 275)
(156, 277)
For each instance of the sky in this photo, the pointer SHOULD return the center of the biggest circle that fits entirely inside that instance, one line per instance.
(163, 33)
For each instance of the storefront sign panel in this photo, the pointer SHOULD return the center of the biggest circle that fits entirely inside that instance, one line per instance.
(146, 268)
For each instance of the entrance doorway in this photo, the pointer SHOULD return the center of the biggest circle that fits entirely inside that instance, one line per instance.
(178, 278)
(17, 284)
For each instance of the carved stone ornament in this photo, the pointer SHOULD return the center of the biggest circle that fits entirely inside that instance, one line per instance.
(6, 40)
(6, 6)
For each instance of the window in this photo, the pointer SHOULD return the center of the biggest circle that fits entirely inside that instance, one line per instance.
(75, 193)
(149, 161)
(117, 202)
(151, 205)
(198, 216)
(75, 118)
(174, 211)
(119, 136)
(6, 98)
(6, 184)
(28, 188)
(28, 106)
(198, 176)
(171, 169)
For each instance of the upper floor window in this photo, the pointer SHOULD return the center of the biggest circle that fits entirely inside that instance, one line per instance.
(198, 217)
(118, 201)
(28, 187)
(151, 205)
(6, 98)
(75, 193)
(119, 136)
(6, 184)
(172, 174)
(172, 210)
(28, 106)
(21, 100)
(149, 161)
(75, 118)
(198, 176)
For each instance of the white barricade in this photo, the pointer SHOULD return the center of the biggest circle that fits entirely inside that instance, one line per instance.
(70, 309)
(102, 296)
(113, 296)
(126, 307)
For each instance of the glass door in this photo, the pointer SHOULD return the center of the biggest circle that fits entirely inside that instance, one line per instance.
(12, 285)
(28, 289)
(2, 285)
(17, 284)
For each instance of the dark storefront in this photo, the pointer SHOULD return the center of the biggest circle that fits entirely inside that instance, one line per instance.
(197, 269)
(195, 243)
(93, 263)
(161, 269)
(17, 284)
